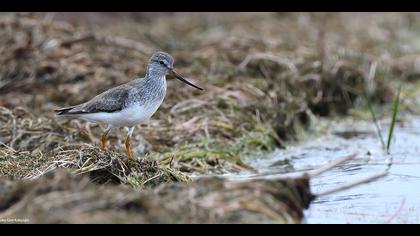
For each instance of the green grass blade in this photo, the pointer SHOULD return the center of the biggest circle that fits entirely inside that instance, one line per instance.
(394, 119)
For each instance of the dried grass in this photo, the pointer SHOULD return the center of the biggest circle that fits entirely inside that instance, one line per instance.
(60, 197)
(264, 75)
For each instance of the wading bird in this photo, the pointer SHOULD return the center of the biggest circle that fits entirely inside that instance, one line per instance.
(131, 103)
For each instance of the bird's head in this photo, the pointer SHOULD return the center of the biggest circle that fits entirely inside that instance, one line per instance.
(161, 63)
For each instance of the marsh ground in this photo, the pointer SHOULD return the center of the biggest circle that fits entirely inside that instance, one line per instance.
(268, 79)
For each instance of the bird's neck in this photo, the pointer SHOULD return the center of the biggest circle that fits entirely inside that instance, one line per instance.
(156, 87)
(154, 73)
(156, 81)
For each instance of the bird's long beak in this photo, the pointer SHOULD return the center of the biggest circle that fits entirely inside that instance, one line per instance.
(176, 75)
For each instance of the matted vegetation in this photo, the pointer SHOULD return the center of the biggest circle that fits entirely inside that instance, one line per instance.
(60, 197)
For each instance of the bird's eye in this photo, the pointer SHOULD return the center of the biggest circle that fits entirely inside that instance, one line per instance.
(161, 62)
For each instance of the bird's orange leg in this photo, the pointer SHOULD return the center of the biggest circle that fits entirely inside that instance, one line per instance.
(127, 142)
(103, 139)
(128, 147)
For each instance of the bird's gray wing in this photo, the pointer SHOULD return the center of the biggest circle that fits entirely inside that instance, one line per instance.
(109, 101)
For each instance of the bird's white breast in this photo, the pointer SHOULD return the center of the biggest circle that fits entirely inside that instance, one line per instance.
(129, 116)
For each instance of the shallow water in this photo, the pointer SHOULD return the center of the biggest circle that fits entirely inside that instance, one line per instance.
(394, 198)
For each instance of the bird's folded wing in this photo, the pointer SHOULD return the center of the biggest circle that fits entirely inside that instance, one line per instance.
(109, 101)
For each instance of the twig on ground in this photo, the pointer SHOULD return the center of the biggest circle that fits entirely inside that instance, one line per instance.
(396, 212)
(330, 165)
(118, 41)
(352, 184)
(266, 56)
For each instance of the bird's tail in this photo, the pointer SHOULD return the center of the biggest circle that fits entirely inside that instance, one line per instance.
(64, 111)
